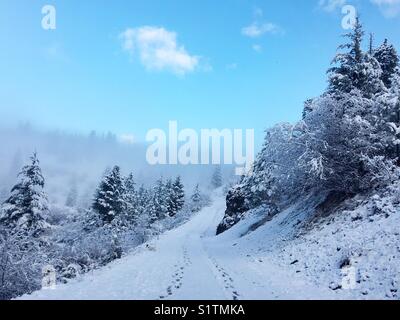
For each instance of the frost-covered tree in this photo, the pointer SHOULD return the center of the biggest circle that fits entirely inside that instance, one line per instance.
(196, 199)
(338, 135)
(25, 210)
(216, 179)
(143, 197)
(170, 198)
(22, 230)
(131, 199)
(371, 77)
(395, 88)
(371, 44)
(387, 118)
(21, 262)
(388, 59)
(109, 200)
(354, 69)
(159, 201)
(343, 76)
(178, 194)
(347, 142)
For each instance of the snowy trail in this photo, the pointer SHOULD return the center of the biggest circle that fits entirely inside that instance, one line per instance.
(188, 263)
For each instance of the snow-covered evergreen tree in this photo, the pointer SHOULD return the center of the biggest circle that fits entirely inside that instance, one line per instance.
(178, 195)
(388, 59)
(346, 143)
(354, 69)
(109, 200)
(159, 202)
(387, 118)
(22, 229)
(131, 199)
(143, 199)
(25, 210)
(197, 200)
(343, 76)
(170, 198)
(371, 44)
(395, 81)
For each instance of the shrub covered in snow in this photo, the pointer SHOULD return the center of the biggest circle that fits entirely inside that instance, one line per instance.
(347, 142)
(35, 235)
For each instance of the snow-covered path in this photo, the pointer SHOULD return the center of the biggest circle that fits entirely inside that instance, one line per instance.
(187, 263)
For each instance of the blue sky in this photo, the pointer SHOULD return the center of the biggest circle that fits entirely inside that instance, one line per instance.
(226, 64)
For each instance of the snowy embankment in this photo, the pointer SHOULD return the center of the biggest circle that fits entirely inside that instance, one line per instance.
(353, 252)
(272, 262)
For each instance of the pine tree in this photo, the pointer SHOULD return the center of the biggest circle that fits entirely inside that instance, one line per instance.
(371, 44)
(216, 179)
(387, 115)
(153, 210)
(159, 201)
(170, 198)
(341, 77)
(388, 58)
(179, 194)
(395, 81)
(370, 75)
(196, 199)
(143, 198)
(109, 202)
(146, 214)
(354, 69)
(131, 199)
(392, 120)
(24, 211)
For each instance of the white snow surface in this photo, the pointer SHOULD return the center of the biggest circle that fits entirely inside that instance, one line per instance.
(272, 262)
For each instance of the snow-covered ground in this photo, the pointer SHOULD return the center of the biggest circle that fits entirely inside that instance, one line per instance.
(187, 263)
(272, 262)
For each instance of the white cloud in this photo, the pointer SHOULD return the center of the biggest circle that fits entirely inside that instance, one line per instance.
(257, 29)
(158, 50)
(331, 5)
(389, 8)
